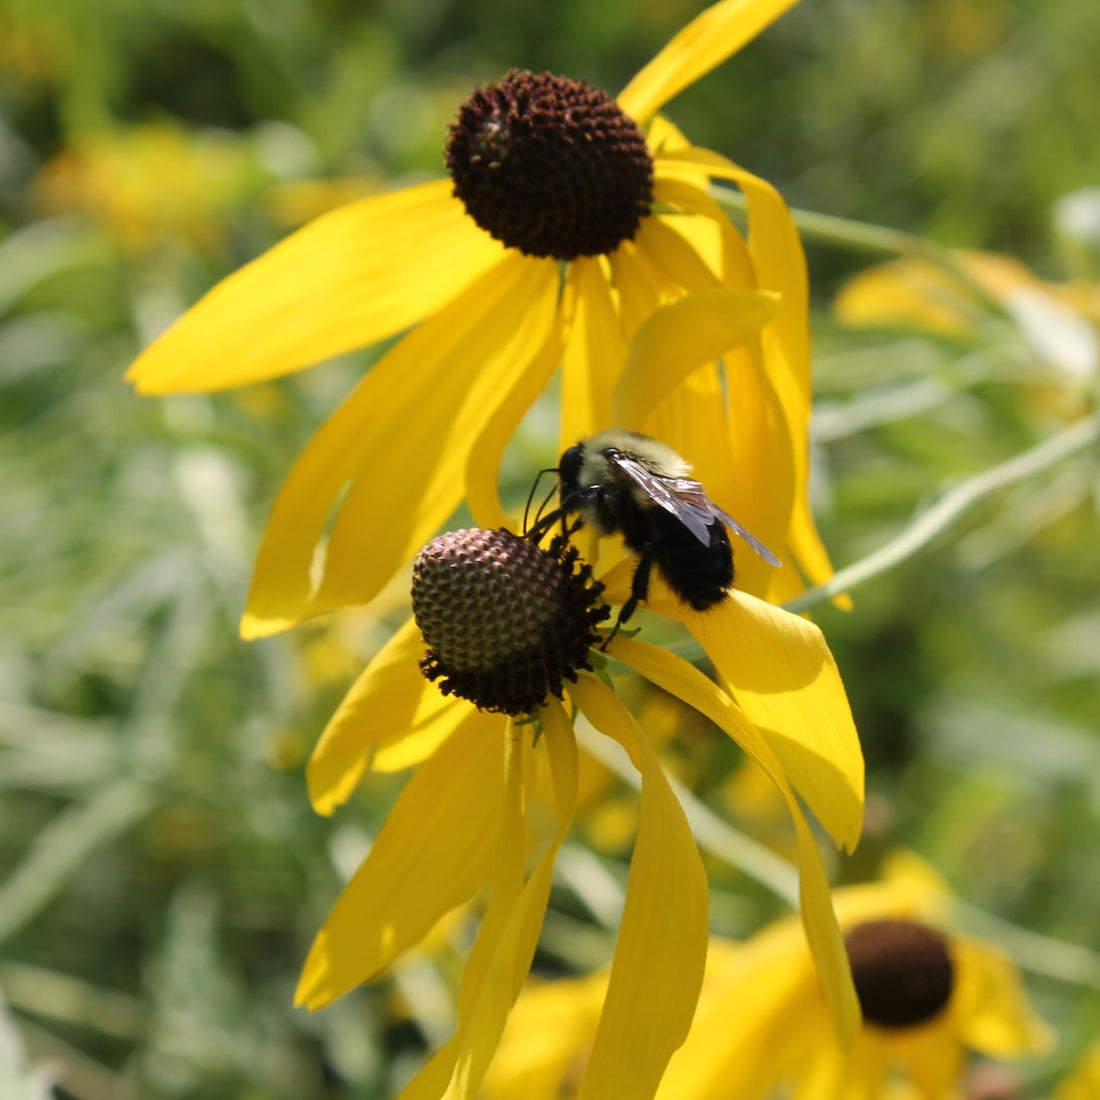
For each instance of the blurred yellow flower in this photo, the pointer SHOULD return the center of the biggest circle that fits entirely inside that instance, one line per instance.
(148, 184)
(295, 203)
(1059, 322)
(637, 251)
(761, 1028)
(460, 821)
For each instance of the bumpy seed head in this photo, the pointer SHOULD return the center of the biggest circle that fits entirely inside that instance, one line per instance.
(902, 971)
(505, 621)
(550, 166)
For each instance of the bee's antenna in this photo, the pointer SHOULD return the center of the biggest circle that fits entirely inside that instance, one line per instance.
(545, 502)
(531, 496)
(544, 523)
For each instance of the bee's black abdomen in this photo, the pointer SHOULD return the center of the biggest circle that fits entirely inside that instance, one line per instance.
(699, 574)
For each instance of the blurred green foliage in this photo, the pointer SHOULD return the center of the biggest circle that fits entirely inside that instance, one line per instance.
(163, 873)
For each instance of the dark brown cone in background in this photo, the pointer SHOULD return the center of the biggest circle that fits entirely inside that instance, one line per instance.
(902, 971)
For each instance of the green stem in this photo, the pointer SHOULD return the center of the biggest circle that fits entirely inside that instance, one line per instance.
(842, 232)
(1053, 958)
(1078, 437)
(855, 236)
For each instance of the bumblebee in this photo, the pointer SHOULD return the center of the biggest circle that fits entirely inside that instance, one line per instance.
(626, 483)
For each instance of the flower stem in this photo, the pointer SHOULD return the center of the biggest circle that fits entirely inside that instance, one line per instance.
(856, 236)
(1053, 958)
(1078, 437)
(842, 232)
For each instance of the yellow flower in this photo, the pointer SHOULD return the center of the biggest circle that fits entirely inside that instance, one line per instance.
(761, 1027)
(491, 322)
(460, 820)
(976, 1003)
(148, 184)
(1058, 322)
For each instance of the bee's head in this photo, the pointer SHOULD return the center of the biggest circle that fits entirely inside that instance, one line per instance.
(569, 469)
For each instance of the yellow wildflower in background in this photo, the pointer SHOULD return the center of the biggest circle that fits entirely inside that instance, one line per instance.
(761, 1028)
(149, 183)
(493, 320)
(460, 819)
(920, 1018)
(1058, 322)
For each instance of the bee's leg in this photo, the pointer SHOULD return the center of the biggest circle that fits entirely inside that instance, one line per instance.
(639, 591)
(574, 502)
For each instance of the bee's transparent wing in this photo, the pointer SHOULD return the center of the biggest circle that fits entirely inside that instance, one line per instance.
(750, 538)
(693, 508)
(693, 493)
(687, 500)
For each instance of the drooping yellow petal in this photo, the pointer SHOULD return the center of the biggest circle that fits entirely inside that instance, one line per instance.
(691, 419)
(431, 726)
(672, 253)
(680, 337)
(431, 854)
(808, 549)
(382, 704)
(704, 225)
(595, 352)
(759, 483)
(511, 961)
(671, 390)
(641, 284)
(548, 1033)
(487, 449)
(825, 1072)
(658, 966)
(743, 1032)
(782, 674)
(761, 453)
(664, 135)
(353, 276)
(506, 943)
(818, 919)
(400, 440)
(702, 45)
(507, 874)
(780, 266)
(505, 887)
(992, 1009)
(777, 256)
